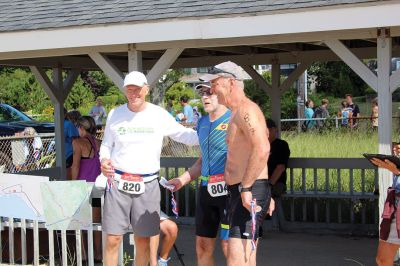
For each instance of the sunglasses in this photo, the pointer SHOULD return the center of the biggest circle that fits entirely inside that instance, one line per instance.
(216, 71)
(204, 92)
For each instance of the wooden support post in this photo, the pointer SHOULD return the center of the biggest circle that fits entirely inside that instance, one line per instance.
(261, 82)
(276, 96)
(353, 62)
(165, 62)
(57, 90)
(135, 62)
(108, 68)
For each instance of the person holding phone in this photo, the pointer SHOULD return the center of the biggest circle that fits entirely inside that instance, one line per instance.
(389, 242)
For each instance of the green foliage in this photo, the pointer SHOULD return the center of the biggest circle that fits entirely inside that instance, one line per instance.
(288, 99)
(19, 88)
(98, 82)
(337, 79)
(258, 95)
(79, 96)
(176, 91)
(157, 93)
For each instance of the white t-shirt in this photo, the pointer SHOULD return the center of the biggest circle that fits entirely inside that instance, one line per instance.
(133, 141)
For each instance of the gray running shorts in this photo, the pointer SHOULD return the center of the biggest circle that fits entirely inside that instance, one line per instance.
(142, 211)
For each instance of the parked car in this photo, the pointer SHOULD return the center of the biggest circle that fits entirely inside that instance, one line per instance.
(14, 121)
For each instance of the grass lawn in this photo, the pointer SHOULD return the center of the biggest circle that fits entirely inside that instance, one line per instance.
(332, 144)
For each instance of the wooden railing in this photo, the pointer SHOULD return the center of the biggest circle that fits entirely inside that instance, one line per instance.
(322, 193)
(339, 195)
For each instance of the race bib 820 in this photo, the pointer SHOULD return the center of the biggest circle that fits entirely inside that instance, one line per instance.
(132, 184)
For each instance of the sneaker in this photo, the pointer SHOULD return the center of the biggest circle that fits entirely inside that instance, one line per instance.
(163, 262)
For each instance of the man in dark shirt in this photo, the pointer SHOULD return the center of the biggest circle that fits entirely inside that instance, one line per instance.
(277, 162)
(355, 110)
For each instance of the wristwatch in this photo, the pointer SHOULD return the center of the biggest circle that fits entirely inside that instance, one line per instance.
(245, 189)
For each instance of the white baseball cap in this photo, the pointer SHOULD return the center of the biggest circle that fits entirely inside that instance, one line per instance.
(203, 85)
(225, 69)
(135, 78)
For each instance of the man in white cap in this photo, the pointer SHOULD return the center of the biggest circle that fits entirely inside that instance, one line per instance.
(130, 159)
(246, 172)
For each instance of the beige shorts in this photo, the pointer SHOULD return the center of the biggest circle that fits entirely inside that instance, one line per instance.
(141, 212)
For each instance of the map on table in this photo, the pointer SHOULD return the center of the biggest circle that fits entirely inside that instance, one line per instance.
(20, 196)
(66, 205)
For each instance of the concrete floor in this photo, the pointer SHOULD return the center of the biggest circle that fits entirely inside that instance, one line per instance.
(278, 248)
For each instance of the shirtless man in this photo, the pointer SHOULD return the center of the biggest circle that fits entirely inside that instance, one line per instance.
(246, 172)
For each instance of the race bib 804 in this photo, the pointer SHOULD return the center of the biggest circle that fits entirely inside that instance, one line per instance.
(216, 186)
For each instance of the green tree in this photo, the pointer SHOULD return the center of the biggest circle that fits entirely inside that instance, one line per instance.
(98, 82)
(176, 91)
(171, 77)
(79, 96)
(19, 88)
(337, 79)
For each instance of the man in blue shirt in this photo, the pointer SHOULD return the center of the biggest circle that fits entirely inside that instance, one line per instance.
(187, 110)
(70, 132)
(211, 204)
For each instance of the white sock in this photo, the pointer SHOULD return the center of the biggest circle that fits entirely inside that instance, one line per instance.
(163, 260)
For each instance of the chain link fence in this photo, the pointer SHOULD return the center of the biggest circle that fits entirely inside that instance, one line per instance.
(31, 153)
(364, 124)
(21, 153)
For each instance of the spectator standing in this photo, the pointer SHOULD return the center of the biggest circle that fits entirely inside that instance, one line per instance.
(321, 112)
(196, 115)
(308, 114)
(98, 112)
(179, 116)
(277, 160)
(31, 148)
(355, 110)
(73, 116)
(187, 110)
(345, 113)
(70, 132)
(374, 114)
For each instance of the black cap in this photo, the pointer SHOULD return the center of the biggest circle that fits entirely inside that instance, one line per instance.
(270, 123)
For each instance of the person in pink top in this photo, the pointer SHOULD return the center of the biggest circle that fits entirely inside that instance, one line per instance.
(86, 166)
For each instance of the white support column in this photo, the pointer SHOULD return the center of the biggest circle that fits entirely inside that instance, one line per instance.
(108, 68)
(165, 62)
(135, 62)
(384, 55)
(394, 81)
(58, 91)
(261, 82)
(276, 96)
(353, 62)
